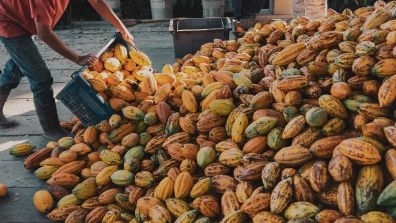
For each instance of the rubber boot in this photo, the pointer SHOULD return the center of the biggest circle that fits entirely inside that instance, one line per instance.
(5, 123)
(49, 121)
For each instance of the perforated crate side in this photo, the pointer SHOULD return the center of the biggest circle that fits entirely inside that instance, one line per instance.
(82, 104)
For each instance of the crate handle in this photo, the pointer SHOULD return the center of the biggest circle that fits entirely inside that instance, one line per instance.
(73, 76)
(134, 48)
(111, 41)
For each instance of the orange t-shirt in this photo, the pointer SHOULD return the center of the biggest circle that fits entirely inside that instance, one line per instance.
(18, 17)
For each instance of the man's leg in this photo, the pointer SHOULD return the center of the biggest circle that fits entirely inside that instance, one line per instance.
(25, 54)
(251, 8)
(237, 7)
(9, 79)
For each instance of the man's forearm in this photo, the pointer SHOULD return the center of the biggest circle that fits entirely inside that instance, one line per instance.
(105, 11)
(53, 41)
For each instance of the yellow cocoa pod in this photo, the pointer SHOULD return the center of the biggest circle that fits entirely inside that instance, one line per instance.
(140, 58)
(376, 216)
(238, 127)
(112, 64)
(43, 201)
(377, 18)
(288, 54)
(104, 176)
(201, 188)
(183, 185)
(189, 101)
(163, 78)
(222, 106)
(121, 53)
(387, 92)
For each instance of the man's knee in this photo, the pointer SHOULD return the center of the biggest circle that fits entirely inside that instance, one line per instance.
(11, 76)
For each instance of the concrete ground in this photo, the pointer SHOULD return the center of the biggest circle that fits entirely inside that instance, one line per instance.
(152, 38)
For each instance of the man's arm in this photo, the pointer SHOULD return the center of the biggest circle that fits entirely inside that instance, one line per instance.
(104, 10)
(45, 33)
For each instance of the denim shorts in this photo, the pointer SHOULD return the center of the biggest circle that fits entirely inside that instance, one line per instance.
(27, 61)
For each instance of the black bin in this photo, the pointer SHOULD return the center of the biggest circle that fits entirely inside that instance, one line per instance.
(190, 33)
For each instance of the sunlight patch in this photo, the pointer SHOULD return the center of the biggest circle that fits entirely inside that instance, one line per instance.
(7, 145)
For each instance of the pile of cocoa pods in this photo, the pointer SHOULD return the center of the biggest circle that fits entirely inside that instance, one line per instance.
(293, 122)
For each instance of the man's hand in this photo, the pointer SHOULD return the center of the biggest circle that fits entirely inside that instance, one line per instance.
(87, 60)
(105, 11)
(127, 36)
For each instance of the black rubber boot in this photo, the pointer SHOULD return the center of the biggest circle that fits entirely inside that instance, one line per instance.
(4, 122)
(49, 121)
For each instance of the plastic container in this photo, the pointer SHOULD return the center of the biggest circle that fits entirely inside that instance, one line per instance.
(161, 9)
(213, 8)
(190, 33)
(82, 100)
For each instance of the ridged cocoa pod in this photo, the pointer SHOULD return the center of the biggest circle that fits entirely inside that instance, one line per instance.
(210, 208)
(266, 216)
(243, 191)
(229, 203)
(345, 198)
(390, 161)
(61, 213)
(222, 183)
(323, 148)
(327, 216)
(270, 175)
(64, 179)
(91, 203)
(281, 196)
(307, 137)
(293, 156)
(324, 40)
(340, 168)
(57, 191)
(216, 169)
(329, 195)
(302, 189)
(135, 194)
(359, 151)
(256, 203)
(250, 172)
(319, 176)
(350, 219)
(77, 216)
(108, 196)
(183, 185)
(34, 159)
(143, 206)
(73, 167)
(209, 120)
(96, 215)
(369, 184)
(390, 134)
(288, 172)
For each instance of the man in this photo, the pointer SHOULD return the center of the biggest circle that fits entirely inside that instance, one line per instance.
(244, 9)
(19, 20)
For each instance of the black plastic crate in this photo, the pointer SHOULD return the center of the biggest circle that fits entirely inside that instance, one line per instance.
(190, 33)
(82, 100)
